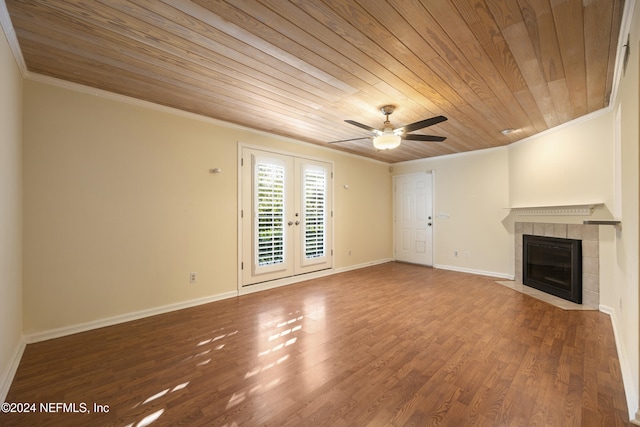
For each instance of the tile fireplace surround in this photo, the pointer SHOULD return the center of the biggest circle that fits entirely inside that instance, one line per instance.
(589, 234)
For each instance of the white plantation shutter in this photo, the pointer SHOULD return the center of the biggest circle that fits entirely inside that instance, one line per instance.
(270, 204)
(315, 213)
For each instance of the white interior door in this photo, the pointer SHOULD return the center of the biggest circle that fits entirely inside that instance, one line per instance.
(286, 216)
(413, 218)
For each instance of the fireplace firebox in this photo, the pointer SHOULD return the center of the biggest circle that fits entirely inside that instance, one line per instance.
(553, 265)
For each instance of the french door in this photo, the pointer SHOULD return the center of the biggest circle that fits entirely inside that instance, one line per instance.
(285, 215)
(413, 218)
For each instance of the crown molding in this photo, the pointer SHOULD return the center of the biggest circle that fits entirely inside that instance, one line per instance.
(12, 39)
(625, 29)
(80, 88)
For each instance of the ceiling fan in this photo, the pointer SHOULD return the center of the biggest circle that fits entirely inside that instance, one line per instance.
(389, 137)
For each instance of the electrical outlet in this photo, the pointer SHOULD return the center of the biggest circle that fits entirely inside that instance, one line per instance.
(467, 254)
(193, 277)
(455, 254)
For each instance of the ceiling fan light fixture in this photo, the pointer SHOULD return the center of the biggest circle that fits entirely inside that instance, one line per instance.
(386, 141)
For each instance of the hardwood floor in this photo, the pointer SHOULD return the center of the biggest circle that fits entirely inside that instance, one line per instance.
(388, 345)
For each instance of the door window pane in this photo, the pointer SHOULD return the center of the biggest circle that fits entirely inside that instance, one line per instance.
(315, 209)
(270, 213)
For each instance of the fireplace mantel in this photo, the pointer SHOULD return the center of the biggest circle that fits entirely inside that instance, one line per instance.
(578, 210)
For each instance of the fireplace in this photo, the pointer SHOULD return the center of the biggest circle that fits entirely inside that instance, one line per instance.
(553, 265)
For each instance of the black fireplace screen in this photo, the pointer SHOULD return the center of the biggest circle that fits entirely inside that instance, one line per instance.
(553, 265)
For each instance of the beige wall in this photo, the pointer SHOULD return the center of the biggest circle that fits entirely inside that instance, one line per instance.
(119, 207)
(470, 199)
(10, 213)
(624, 296)
(570, 165)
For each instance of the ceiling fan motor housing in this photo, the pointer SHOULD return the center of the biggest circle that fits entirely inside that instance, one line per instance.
(388, 109)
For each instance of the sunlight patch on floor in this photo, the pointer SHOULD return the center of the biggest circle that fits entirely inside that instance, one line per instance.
(150, 418)
(155, 396)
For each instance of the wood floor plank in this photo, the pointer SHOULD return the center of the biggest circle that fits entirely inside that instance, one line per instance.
(388, 345)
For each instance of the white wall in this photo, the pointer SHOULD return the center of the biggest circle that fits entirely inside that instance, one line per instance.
(470, 200)
(119, 207)
(10, 216)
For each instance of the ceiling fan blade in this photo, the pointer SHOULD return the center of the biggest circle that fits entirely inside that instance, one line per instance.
(431, 138)
(346, 140)
(423, 123)
(360, 125)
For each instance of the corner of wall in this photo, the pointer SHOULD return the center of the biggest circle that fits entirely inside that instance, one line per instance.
(625, 366)
(12, 343)
(7, 377)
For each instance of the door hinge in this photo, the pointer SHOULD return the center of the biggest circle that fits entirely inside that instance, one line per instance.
(242, 213)
(241, 161)
(242, 266)
(331, 252)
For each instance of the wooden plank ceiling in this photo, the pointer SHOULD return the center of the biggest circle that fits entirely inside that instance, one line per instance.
(299, 68)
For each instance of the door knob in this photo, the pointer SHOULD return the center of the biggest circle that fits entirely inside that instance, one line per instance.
(297, 222)
(290, 223)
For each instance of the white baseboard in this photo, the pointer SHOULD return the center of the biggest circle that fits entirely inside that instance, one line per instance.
(10, 372)
(101, 323)
(249, 289)
(272, 284)
(472, 271)
(363, 265)
(8, 375)
(625, 368)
